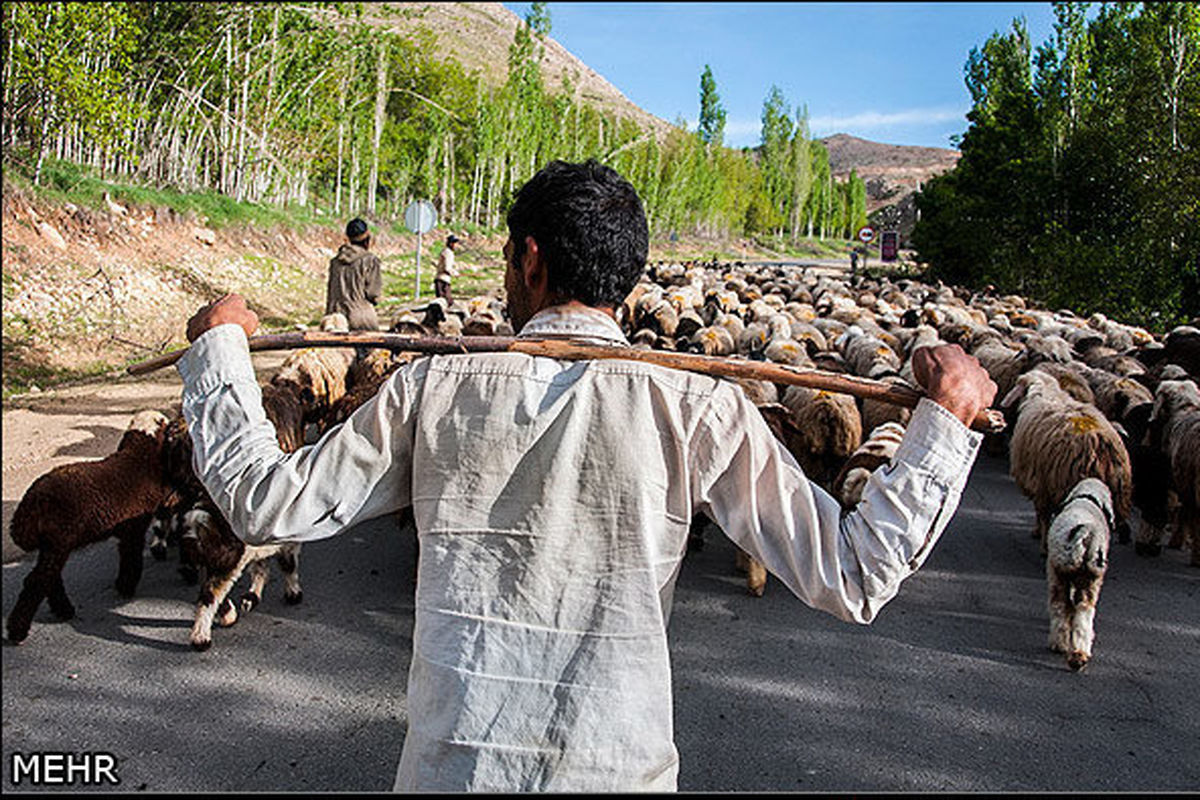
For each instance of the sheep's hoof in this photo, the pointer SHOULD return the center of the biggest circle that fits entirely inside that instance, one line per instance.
(1147, 549)
(1077, 661)
(159, 552)
(17, 633)
(190, 575)
(63, 611)
(249, 601)
(293, 599)
(1123, 533)
(201, 645)
(227, 613)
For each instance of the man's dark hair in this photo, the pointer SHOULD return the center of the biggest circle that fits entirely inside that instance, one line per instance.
(590, 227)
(356, 230)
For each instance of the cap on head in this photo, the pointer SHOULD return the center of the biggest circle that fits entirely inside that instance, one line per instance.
(451, 239)
(356, 230)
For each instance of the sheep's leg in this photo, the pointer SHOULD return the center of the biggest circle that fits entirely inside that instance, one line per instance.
(213, 602)
(1056, 605)
(258, 579)
(695, 539)
(189, 557)
(756, 573)
(159, 532)
(56, 596)
(38, 584)
(130, 542)
(289, 563)
(1082, 632)
(1149, 539)
(1042, 529)
(1189, 526)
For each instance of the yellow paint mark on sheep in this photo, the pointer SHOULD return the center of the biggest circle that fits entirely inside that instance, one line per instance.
(822, 393)
(1083, 424)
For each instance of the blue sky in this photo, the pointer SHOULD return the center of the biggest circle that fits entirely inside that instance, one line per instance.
(889, 72)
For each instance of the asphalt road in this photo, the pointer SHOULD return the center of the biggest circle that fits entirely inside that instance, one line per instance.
(951, 689)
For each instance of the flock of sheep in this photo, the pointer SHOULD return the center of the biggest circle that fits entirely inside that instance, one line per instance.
(1103, 418)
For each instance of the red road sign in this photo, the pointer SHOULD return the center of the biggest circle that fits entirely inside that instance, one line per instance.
(866, 233)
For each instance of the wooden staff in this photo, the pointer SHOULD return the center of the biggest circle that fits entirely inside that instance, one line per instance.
(988, 421)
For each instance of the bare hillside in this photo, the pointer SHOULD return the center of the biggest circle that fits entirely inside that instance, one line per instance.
(477, 35)
(890, 171)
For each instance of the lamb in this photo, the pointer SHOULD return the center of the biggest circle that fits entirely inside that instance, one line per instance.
(1057, 442)
(212, 544)
(75, 505)
(225, 564)
(1077, 552)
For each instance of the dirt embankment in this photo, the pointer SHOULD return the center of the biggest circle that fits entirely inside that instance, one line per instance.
(88, 289)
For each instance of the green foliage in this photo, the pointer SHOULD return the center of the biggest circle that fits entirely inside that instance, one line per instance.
(1080, 172)
(712, 114)
(229, 109)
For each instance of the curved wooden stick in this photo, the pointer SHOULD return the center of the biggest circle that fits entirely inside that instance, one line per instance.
(988, 421)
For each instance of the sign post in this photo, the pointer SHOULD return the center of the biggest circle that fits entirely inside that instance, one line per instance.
(866, 235)
(420, 217)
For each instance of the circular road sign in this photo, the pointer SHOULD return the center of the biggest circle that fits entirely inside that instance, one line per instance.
(866, 233)
(420, 216)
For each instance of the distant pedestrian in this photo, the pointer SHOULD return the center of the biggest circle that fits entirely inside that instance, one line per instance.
(853, 262)
(446, 270)
(355, 280)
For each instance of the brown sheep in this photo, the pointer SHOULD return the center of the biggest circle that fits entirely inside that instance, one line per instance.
(877, 450)
(1174, 431)
(1058, 441)
(828, 429)
(75, 505)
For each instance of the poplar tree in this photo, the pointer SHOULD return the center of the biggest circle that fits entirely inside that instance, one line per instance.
(712, 113)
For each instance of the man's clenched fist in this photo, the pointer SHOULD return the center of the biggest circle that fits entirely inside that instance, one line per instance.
(230, 308)
(954, 380)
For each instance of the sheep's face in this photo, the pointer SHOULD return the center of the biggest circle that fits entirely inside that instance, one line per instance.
(335, 323)
(1033, 382)
(1170, 398)
(145, 423)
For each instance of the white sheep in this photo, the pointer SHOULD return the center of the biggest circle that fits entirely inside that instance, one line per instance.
(1077, 556)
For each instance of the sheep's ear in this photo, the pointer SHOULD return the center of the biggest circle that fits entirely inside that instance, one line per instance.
(1015, 394)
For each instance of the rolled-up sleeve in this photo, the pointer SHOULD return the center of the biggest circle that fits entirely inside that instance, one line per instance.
(848, 564)
(358, 470)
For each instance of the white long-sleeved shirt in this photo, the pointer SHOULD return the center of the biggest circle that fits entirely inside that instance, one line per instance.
(553, 500)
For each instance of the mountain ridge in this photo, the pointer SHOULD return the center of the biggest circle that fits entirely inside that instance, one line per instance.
(477, 35)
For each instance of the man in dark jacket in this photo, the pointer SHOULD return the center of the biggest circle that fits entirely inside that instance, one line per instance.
(355, 282)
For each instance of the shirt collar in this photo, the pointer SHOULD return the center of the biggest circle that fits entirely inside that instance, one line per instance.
(573, 322)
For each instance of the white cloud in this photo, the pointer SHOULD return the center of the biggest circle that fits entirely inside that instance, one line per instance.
(875, 120)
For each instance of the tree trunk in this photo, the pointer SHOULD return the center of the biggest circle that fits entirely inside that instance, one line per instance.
(380, 108)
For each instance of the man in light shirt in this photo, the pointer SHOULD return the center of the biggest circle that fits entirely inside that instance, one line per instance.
(553, 499)
(446, 270)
